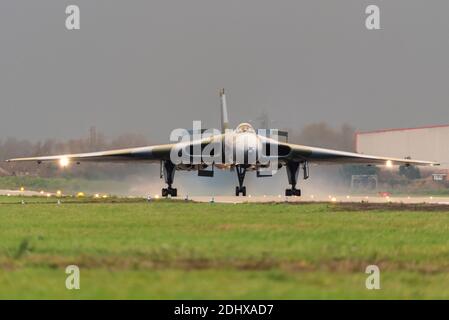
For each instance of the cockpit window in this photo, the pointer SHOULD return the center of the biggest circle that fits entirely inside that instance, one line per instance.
(245, 127)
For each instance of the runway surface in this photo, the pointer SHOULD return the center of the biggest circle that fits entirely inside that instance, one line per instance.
(27, 193)
(329, 198)
(281, 198)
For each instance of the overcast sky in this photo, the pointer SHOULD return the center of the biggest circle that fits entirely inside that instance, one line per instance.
(149, 66)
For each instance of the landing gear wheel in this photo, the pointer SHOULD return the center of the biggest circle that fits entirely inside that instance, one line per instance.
(239, 190)
(169, 191)
(292, 192)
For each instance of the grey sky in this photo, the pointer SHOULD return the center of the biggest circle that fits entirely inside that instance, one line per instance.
(149, 66)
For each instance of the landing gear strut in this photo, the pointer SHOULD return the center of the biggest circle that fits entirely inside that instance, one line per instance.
(169, 174)
(241, 171)
(292, 175)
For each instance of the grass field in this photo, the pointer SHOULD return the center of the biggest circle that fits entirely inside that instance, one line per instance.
(169, 249)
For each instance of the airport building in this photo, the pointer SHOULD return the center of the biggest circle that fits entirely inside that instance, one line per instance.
(422, 143)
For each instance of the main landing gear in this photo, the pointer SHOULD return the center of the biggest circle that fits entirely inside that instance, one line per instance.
(169, 174)
(241, 171)
(292, 175)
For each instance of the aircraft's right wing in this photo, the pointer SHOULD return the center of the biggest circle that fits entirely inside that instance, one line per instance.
(145, 154)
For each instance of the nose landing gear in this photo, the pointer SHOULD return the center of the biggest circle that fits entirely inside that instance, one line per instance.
(241, 171)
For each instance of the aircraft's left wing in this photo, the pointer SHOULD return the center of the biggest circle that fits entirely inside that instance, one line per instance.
(144, 154)
(321, 155)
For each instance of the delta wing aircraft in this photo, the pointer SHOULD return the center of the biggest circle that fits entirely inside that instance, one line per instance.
(240, 150)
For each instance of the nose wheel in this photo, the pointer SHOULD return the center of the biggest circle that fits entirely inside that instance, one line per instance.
(240, 189)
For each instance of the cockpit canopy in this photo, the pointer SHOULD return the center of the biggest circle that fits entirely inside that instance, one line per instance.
(245, 127)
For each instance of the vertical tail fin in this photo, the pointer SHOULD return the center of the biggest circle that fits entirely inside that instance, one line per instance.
(224, 112)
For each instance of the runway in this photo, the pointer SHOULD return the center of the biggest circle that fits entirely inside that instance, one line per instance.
(26, 193)
(279, 198)
(317, 198)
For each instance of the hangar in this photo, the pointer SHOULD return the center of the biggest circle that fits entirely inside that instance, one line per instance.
(429, 143)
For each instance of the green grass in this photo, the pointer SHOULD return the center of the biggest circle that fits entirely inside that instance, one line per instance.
(169, 249)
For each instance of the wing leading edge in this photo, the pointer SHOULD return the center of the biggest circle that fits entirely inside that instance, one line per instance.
(144, 154)
(329, 156)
